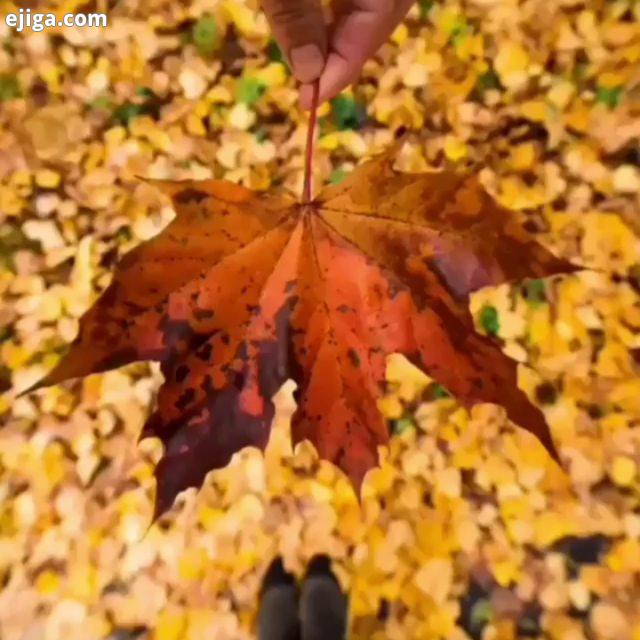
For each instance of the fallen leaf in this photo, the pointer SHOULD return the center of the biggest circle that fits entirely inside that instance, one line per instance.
(244, 290)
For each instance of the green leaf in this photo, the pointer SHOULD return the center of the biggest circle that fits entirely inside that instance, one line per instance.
(347, 113)
(261, 135)
(274, 53)
(488, 80)
(205, 35)
(528, 626)
(324, 126)
(580, 72)
(337, 175)
(460, 31)
(9, 87)
(249, 90)
(481, 614)
(440, 392)
(123, 234)
(609, 96)
(126, 112)
(489, 320)
(535, 292)
(12, 239)
(145, 92)
(402, 425)
(425, 8)
(5, 332)
(101, 103)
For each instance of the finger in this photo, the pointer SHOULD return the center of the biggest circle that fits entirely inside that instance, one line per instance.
(300, 30)
(356, 38)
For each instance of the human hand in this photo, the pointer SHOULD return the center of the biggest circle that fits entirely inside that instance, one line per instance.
(335, 55)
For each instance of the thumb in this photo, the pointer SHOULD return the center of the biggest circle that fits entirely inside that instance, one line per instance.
(300, 30)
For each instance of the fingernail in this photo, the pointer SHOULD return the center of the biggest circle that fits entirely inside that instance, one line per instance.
(307, 62)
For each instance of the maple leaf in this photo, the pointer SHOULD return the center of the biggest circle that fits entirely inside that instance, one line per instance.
(244, 290)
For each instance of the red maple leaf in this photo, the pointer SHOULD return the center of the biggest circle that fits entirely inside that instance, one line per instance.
(244, 290)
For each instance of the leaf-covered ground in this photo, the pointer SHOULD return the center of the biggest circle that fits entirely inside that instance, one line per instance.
(467, 529)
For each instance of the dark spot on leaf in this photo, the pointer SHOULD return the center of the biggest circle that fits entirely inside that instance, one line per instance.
(204, 353)
(634, 277)
(186, 399)
(546, 393)
(188, 196)
(427, 499)
(203, 314)
(595, 411)
(383, 610)
(181, 373)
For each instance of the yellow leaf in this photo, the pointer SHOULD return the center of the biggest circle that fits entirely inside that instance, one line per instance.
(623, 471)
(390, 407)
(434, 579)
(534, 110)
(170, 625)
(273, 75)
(400, 35)
(455, 149)
(47, 179)
(48, 583)
(550, 527)
(511, 65)
(242, 17)
(505, 571)
(523, 156)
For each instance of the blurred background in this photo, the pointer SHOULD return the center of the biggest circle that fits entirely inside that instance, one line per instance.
(467, 530)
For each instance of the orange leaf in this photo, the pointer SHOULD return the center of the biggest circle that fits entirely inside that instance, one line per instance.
(244, 290)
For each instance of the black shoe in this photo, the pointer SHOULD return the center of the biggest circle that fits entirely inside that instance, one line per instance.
(278, 614)
(323, 606)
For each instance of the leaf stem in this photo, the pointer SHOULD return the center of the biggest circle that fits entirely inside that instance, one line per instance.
(308, 159)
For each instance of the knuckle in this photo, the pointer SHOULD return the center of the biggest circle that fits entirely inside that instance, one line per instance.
(286, 12)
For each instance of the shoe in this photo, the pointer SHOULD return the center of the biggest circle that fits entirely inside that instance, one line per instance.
(323, 606)
(278, 613)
